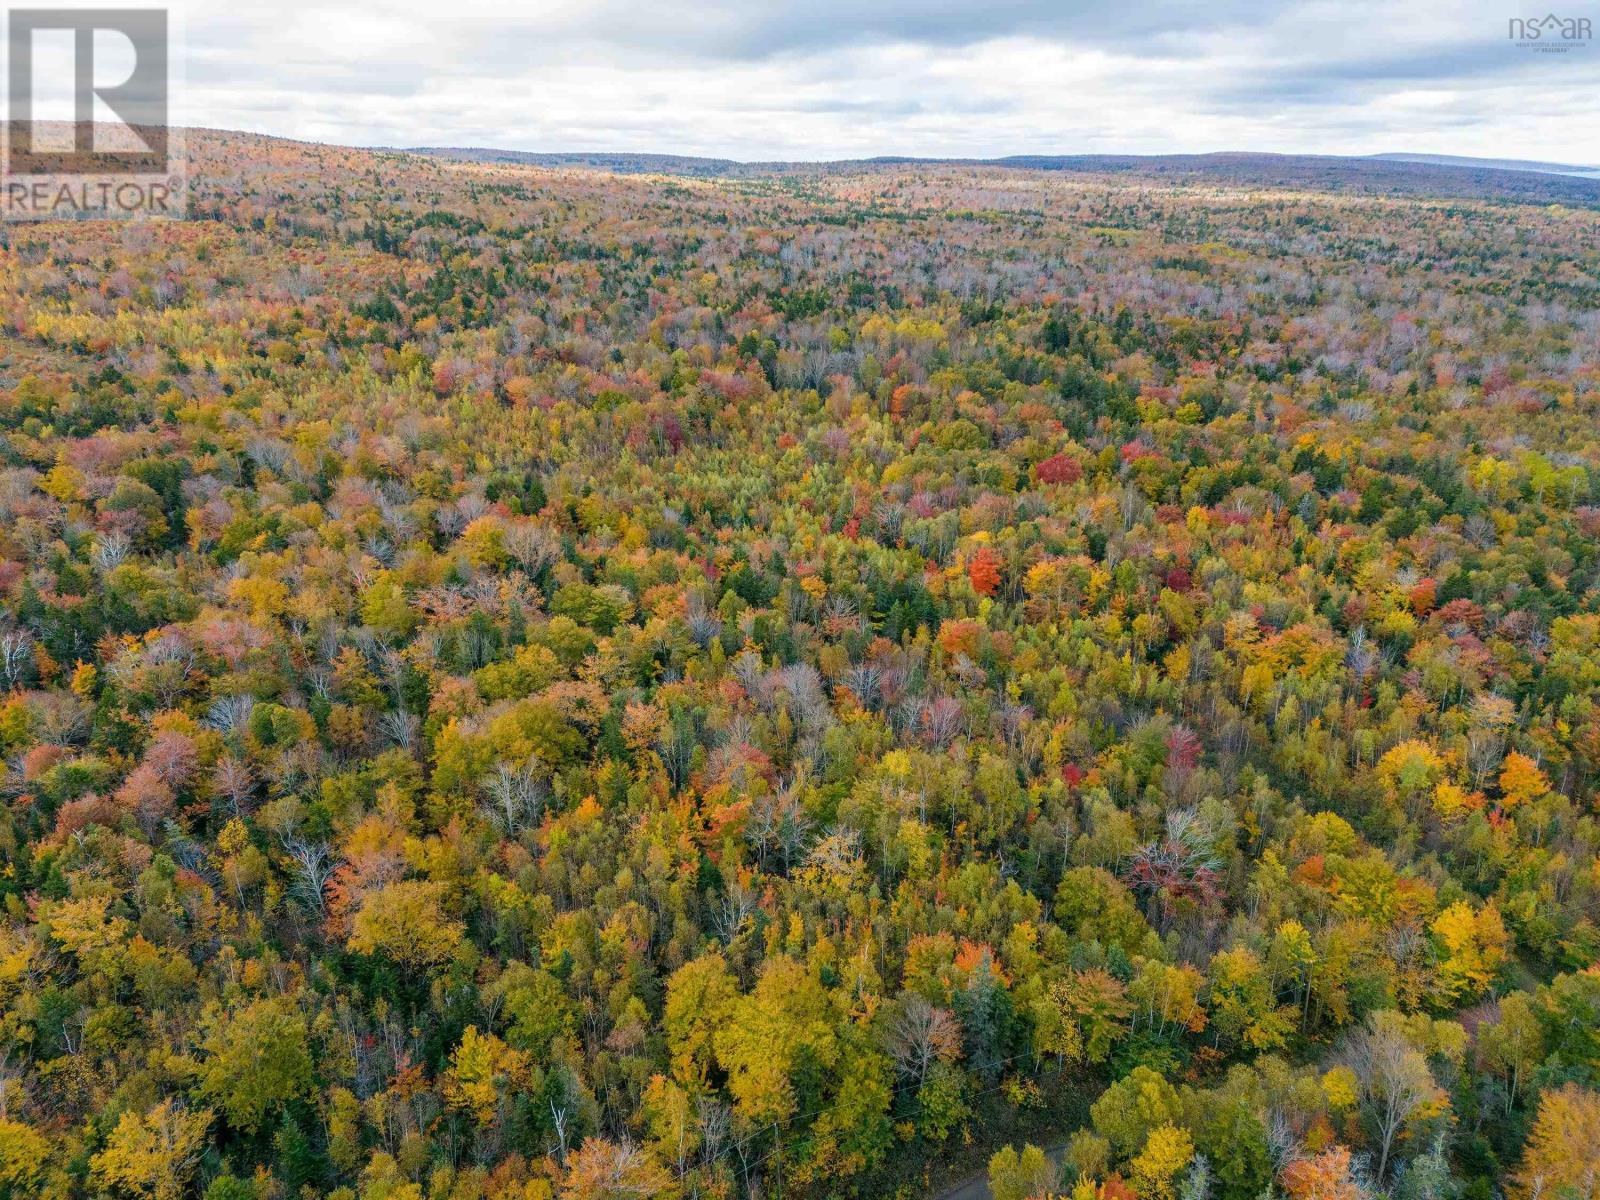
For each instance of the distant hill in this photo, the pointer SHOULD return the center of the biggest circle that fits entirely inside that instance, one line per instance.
(1441, 176)
(1494, 164)
(619, 163)
(1367, 176)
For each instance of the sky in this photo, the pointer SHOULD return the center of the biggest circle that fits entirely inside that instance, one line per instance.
(808, 79)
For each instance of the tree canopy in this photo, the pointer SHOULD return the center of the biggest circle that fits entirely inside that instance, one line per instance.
(529, 682)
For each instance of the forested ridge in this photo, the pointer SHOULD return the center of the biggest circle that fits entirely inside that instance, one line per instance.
(537, 683)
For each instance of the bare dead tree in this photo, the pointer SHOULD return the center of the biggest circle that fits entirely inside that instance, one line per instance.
(919, 1035)
(236, 782)
(532, 546)
(515, 797)
(730, 914)
(400, 727)
(16, 655)
(1393, 1079)
(313, 866)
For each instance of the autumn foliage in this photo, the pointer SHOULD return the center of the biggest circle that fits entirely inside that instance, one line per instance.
(551, 684)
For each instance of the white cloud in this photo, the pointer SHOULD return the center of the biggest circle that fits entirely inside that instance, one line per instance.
(839, 78)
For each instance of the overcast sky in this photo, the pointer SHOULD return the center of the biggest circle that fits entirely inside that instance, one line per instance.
(849, 78)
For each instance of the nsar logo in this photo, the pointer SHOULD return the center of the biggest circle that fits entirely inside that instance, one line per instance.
(1550, 34)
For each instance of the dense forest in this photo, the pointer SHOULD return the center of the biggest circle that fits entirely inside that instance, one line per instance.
(537, 683)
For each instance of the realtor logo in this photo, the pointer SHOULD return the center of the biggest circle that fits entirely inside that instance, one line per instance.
(87, 132)
(1550, 34)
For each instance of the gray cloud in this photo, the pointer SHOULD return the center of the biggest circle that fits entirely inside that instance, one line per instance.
(830, 78)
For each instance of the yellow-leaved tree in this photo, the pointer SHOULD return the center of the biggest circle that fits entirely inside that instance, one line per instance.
(1562, 1157)
(23, 1152)
(787, 1015)
(1521, 780)
(1167, 1151)
(1474, 946)
(483, 1071)
(152, 1154)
